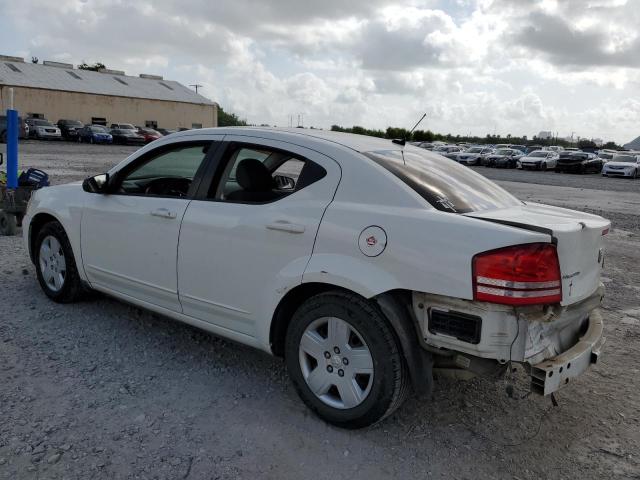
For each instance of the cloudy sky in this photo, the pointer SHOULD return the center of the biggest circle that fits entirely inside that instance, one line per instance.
(475, 66)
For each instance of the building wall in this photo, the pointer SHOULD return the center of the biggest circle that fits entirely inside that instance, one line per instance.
(56, 105)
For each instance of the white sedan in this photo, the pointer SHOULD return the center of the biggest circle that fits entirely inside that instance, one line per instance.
(363, 262)
(623, 164)
(539, 160)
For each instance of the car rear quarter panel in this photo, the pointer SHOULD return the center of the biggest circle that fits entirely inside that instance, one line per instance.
(427, 250)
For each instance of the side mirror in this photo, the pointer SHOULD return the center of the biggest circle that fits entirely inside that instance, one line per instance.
(284, 183)
(97, 184)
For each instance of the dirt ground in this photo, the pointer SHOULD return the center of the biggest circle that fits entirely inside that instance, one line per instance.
(100, 389)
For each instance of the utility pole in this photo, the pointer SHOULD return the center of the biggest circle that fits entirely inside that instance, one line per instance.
(196, 86)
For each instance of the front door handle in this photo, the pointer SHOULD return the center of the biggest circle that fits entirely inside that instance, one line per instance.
(284, 226)
(163, 213)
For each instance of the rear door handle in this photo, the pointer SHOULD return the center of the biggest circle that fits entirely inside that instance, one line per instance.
(285, 226)
(163, 213)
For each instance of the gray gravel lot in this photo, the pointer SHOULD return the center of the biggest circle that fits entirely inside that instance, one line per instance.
(101, 389)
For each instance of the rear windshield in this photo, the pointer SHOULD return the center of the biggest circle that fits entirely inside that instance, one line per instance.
(446, 185)
(538, 154)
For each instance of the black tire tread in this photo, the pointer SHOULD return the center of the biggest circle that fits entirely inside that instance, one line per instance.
(73, 289)
(401, 386)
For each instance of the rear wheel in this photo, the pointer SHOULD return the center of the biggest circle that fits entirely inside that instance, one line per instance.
(56, 265)
(344, 360)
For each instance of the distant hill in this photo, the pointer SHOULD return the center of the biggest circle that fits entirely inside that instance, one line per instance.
(633, 145)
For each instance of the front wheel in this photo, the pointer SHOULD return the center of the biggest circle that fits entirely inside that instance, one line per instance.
(56, 265)
(344, 360)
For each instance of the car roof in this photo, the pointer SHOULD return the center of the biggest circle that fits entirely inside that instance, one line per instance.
(359, 143)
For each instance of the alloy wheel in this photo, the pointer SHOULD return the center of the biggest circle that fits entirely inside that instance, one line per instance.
(336, 363)
(52, 263)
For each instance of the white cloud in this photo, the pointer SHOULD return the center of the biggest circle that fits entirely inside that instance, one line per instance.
(472, 65)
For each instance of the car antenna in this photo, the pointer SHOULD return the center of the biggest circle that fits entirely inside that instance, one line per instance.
(403, 141)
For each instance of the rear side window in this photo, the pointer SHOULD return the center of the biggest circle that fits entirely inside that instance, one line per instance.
(446, 185)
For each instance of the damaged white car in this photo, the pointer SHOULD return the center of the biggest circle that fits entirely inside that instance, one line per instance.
(363, 262)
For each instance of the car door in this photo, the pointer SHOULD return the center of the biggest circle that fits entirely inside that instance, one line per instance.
(240, 251)
(129, 237)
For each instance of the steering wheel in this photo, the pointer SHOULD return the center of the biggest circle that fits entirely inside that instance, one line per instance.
(174, 187)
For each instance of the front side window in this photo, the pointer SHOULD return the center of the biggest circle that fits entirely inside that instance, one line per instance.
(167, 173)
(255, 174)
(447, 186)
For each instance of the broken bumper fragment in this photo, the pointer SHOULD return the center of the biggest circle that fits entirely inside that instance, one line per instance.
(550, 375)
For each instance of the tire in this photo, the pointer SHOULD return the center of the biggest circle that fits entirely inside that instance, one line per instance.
(91, 140)
(57, 274)
(368, 397)
(543, 166)
(8, 224)
(3, 137)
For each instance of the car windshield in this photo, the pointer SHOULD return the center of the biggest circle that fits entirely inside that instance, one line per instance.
(71, 123)
(606, 156)
(447, 186)
(504, 151)
(98, 129)
(625, 158)
(475, 150)
(43, 123)
(537, 154)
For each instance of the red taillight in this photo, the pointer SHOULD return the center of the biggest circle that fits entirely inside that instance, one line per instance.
(520, 275)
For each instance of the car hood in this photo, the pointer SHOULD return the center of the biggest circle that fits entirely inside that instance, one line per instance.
(578, 236)
(620, 164)
(572, 160)
(532, 159)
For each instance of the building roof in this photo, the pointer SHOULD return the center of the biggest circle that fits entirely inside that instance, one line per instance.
(22, 74)
(633, 145)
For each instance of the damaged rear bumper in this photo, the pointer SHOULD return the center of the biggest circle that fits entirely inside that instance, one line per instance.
(552, 374)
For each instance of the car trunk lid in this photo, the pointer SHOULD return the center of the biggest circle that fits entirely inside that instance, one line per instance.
(578, 236)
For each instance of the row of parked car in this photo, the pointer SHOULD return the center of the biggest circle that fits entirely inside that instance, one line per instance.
(556, 158)
(74, 130)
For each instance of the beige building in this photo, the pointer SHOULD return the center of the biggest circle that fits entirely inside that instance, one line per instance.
(58, 91)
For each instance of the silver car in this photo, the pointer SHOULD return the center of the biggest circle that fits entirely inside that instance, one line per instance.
(43, 129)
(539, 160)
(473, 155)
(625, 164)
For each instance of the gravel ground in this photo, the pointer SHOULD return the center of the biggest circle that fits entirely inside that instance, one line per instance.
(104, 390)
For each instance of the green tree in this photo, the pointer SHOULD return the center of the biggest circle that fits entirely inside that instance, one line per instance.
(584, 143)
(229, 119)
(94, 68)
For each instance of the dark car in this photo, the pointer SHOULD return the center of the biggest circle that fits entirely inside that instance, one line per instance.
(22, 133)
(503, 158)
(94, 134)
(165, 131)
(579, 162)
(149, 134)
(70, 129)
(126, 136)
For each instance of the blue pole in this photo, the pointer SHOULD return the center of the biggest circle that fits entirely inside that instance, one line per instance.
(12, 148)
